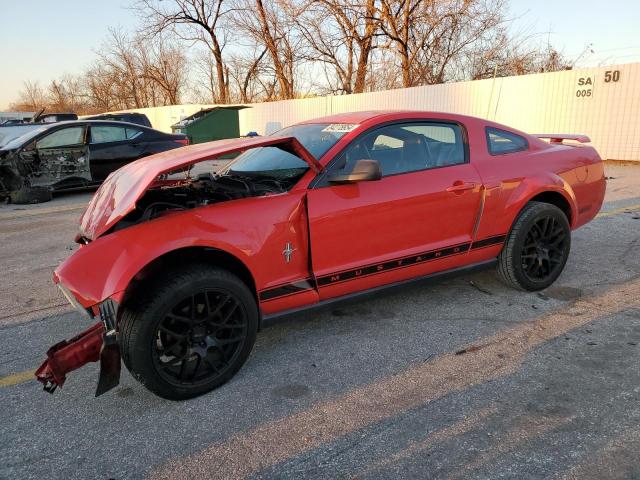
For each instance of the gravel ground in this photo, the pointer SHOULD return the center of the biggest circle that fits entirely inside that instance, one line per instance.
(543, 385)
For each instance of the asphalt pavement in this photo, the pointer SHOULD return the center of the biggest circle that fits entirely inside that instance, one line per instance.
(464, 378)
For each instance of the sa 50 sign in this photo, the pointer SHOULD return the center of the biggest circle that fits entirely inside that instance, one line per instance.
(611, 76)
(585, 84)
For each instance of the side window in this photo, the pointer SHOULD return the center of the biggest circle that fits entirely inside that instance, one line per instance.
(132, 133)
(104, 134)
(501, 142)
(64, 137)
(384, 142)
(408, 147)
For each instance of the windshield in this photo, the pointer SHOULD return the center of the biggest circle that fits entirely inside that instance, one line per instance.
(24, 138)
(318, 138)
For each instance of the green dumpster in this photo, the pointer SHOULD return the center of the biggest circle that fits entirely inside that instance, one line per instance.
(210, 124)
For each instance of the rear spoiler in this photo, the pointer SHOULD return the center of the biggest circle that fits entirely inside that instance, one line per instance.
(559, 137)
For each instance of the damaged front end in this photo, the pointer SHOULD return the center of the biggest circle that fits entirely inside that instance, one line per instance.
(113, 255)
(99, 342)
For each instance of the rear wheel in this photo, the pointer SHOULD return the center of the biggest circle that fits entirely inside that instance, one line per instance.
(537, 247)
(191, 334)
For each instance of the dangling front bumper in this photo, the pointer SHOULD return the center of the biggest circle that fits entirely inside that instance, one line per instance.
(69, 355)
(98, 342)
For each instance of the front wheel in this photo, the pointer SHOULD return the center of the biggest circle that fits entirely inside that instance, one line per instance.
(191, 334)
(537, 247)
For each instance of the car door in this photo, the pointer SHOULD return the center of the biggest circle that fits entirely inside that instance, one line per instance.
(59, 158)
(418, 219)
(111, 147)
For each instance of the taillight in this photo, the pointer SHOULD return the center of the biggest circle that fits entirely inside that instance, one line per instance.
(182, 141)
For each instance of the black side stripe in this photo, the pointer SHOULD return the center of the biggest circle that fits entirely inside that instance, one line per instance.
(287, 289)
(374, 269)
(489, 242)
(391, 265)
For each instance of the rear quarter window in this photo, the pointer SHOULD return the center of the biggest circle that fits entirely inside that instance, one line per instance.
(107, 134)
(501, 142)
(132, 133)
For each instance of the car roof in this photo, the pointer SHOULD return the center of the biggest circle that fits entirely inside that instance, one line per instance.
(98, 122)
(382, 115)
(123, 114)
(351, 117)
(374, 117)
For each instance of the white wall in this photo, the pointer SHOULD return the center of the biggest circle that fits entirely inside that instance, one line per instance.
(538, 103)
(15, 115)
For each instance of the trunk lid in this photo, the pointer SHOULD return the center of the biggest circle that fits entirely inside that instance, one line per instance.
(123, 188)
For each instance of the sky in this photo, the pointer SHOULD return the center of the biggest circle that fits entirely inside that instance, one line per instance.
(40, 40)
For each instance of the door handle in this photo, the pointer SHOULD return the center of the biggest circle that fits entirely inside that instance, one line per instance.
(459, 187)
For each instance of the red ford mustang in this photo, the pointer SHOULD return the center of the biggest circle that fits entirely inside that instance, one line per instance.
(180, 268)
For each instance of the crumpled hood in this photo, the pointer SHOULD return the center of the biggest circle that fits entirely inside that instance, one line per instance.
(123, 188)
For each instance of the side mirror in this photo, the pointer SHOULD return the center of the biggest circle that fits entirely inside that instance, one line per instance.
(362, 171)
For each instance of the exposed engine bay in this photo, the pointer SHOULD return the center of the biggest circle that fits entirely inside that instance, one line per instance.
(205, 189)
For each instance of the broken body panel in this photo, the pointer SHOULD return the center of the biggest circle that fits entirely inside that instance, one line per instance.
(53, 166)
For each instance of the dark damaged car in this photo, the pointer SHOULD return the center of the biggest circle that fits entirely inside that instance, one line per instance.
(72, 155)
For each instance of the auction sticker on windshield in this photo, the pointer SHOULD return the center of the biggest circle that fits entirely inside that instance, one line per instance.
(340, 127)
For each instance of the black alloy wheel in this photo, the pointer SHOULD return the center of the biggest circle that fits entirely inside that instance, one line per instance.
(200, 337)
(537, 247)
(189, 332)
(544, 248)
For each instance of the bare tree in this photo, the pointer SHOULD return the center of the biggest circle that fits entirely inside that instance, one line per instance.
(383, 71)
(270, 26)
(132, 73)
(282, 48)
(397, 20)
(508, 55)
(194, 21)
(551, 60)
(204, 85)
(30, 98)
(341, 34)
(68, 94)
(247, 74)
(119, 61)
(428, 36)
(165, 66)
(101, 90)
(243, 72)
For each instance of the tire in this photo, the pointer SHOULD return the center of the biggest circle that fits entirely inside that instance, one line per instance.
(26, 195)
(178, 351)
(537, 248)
